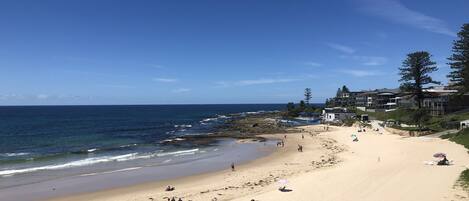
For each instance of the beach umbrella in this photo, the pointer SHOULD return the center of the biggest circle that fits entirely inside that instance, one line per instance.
(439, 155)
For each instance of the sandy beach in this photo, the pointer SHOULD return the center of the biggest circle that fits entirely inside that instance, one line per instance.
(331, 167)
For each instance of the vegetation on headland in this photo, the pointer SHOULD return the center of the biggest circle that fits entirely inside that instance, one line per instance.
(255, 124)
(432, 123)
(303, 107)
(415, 74)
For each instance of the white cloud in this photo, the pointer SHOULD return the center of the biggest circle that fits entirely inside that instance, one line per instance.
(367, 60)
(397, 12)
(313, 64)
(42, 96)
(262, 81)
(156, 66)
(359, 73)
(10, 96)
(342, 48)
(165, 80)
(117, 86)
(254, 82)
(181, 90)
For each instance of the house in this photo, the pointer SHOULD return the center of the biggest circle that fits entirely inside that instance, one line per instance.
(377, 100)
(437, 100)
(336, 114)
(464, 124)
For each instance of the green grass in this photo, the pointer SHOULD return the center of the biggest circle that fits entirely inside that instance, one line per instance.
(464, 179)
(402, 115)
(462, 137)
(410, 128)
(436, 124)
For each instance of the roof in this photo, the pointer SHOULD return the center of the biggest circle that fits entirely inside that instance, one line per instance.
(336, 110)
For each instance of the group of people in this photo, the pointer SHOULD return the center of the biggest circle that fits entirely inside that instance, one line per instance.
(170, 188)
(174, 199)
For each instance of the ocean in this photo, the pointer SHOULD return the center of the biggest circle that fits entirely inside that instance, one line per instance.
(41, 143)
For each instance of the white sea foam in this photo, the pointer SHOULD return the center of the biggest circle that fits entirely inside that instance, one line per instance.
(78, 163)
(91, 150)
(177, 152)
(113, 171)
(209, 119)
(128, 145)
(13, 154)
(183, 126)
(95, 160)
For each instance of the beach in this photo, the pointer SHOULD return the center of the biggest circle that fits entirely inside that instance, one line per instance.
(331, 167)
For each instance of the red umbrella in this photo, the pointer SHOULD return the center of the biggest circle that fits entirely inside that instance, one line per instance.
(439, 155)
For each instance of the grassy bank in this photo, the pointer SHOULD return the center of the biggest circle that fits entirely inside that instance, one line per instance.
(436, 124)
(462, 137)
(464, 180)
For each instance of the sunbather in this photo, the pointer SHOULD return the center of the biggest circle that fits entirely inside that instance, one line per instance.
(443, 161)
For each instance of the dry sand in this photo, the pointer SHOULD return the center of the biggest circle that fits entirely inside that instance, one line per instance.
(378, 167)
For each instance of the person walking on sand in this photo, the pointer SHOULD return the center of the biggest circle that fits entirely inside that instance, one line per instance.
(232, 167)
(300, 148)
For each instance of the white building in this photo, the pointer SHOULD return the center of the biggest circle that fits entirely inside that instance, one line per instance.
(464, 124)
(336, 114)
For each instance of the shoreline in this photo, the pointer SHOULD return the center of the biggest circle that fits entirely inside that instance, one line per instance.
(383, 167)
(377, 167)
(249, 177)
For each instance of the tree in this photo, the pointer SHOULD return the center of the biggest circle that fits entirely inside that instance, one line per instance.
(415, 72)
(290, 106)
(307, 95)
(420, 117)
(345, 89)
(459, 61)
(302, 105)
(338, 93)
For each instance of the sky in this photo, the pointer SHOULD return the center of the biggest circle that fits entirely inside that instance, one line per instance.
(81, 52)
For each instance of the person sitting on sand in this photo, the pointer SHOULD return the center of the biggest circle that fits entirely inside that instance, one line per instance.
(354, 138)
(180, 199)
(169, 188)
(443, 161)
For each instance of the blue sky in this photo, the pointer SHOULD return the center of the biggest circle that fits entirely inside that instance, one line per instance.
(178, 52)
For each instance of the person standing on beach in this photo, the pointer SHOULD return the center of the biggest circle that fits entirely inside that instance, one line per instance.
(232, 167)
